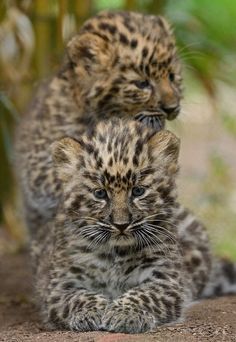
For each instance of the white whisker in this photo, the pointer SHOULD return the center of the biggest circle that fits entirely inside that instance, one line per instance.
(160, 243)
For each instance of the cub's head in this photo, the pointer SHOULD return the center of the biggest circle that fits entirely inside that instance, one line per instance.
(119, 184)
(126, 62)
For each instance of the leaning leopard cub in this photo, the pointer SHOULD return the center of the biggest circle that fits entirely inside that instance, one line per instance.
(122, 255)
(119, 64)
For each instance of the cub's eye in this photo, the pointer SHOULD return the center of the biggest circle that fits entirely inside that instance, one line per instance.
(142, 84)
(138, 191)
(171, 77)
(100, 193)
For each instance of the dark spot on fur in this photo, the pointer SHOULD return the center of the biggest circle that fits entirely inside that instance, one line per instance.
(105, 100)
(88, 27)
(158, 274)
(126, 22)
(125, 161)
(99, 162)
(195, 261)
(103, 36)
(145, 52)
(114, 90)
(147, 70)
(101, 138)
(123, 39)
(55, 299)
(107, 27)
(116, 156)
(76, 270)
(133, 43)
(53, 315)
(164, 191)
(75, 205)
(129, 269)
(135, 160)
(66, 311)
(110, 163)
(123, 68)
(84, 52)
(112, 179)
(38, 181)
(154, 63)
(68, 285)
(61, 156)
(87, 147)
(98, 91)
(145, 298)
(128, 174)
(178, 307)
(138, 147)
(109, 148)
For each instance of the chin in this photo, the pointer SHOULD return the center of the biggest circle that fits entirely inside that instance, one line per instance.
(121, 241)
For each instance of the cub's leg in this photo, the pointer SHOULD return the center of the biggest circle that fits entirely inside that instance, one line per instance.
(74, 308)
(158, 300)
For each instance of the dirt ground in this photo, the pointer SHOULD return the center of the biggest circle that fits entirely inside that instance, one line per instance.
(210, 320)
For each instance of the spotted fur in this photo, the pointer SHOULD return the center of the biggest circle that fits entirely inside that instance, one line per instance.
(122, 255)
(119, 64)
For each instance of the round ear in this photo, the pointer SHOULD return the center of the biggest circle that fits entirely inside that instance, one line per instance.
(90, 53)
(162, 22)
(65, 153)
(165, 149)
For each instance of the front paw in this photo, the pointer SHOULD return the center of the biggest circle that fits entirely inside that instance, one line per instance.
(127, 319)
(86, 320)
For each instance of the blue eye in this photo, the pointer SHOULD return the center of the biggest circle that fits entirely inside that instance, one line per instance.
(142, 84)
(138, 191)
(100, 193)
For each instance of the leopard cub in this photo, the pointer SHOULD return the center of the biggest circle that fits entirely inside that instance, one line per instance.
(122, 255)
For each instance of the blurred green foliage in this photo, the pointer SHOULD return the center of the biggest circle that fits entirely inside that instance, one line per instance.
(32, 38)
(206, 31)
(8, 117)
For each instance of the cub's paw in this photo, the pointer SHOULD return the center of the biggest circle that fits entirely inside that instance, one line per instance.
(126, 319)
(86, 320)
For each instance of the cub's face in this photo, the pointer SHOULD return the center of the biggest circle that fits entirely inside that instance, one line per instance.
(127, 63)
(119, 185)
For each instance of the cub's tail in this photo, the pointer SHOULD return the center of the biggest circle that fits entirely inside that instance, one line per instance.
(222, 279)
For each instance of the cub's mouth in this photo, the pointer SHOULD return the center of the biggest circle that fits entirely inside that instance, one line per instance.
(152, 119)
(156, 119)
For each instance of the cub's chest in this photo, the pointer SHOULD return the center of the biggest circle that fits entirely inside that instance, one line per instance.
(113, 276)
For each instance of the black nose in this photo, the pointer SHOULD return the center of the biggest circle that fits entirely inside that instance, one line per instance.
(170, 110)
(121, 227)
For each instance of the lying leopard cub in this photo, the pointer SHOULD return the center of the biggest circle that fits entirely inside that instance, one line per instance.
(122, 255)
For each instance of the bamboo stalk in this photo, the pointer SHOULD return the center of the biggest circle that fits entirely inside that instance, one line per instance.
(63, 8)
(82, 10)
(43, 37)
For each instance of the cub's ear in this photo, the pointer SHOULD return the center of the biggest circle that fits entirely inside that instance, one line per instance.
(65, 153)
(90, 54)
(165, 150)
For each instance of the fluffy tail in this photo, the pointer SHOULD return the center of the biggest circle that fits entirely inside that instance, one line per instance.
(222, 279)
